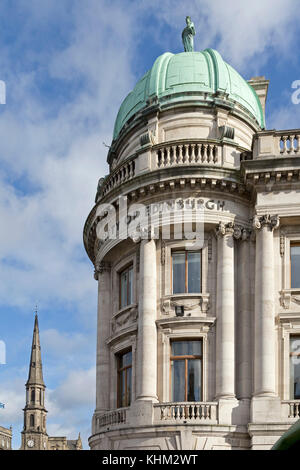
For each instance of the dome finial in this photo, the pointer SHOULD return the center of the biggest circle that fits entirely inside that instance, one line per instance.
(188, 35)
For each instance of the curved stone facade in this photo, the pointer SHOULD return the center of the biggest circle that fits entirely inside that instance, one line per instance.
(213, 162)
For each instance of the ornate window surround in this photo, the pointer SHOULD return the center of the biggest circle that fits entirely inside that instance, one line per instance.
(288, 296)
(180, 331)
(290, 326)
(124, 344)
(168, 299)
(125, 262)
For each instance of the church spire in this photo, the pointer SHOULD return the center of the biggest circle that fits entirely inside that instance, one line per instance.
(35, 376)
(34, 434)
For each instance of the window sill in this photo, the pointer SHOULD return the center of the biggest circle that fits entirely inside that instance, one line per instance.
(193, 304)
(124, 317)
(288, 296)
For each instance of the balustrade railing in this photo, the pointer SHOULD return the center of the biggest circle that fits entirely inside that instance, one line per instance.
(187, 411)
(289, 143)
(111, 418)
(200, 153)
(122, 174)
(293, 408)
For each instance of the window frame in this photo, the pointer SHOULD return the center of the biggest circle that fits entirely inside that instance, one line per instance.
(291, 354)
(186, 252)
(292, 244)
(120, 370)
(186, 358)
(123, 271)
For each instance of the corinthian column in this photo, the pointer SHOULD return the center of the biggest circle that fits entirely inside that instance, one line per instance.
(264, 328)
(147, 334)
(225, 313)
(102, 274)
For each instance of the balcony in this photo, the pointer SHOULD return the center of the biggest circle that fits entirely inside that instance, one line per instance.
(186, 413)
(110, 419)
(291, 409)
(268, 144)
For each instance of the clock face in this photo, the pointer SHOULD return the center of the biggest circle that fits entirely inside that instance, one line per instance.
(30, 443)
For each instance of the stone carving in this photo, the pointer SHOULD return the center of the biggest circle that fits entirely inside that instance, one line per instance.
(100, 268)
(226, 132)
(272, 221)
(188, 35)
(282, 246)
(287, 297)
(99, 188)
(124, 319)
(209, 246)
(147, 138)
(225, 229)
(163, 252)
(168, 305)
(241, 233)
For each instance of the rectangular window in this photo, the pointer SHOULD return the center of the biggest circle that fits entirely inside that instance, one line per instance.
(124, 379)
(295, 367)
(295, 265)
(186, 272)
(186, 371)
(126, 287)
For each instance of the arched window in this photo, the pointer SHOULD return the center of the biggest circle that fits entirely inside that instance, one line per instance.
(32, 396)
(32, 421)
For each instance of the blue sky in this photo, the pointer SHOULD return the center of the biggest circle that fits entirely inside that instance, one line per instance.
(67, 66)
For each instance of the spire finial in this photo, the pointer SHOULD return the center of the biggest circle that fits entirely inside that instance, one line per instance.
(188, 35)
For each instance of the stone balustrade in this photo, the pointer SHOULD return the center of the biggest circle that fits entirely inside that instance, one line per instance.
(190, 412)
(199, 153)
(115, 417)
(293, 408)
(277, 143)
(119, 176)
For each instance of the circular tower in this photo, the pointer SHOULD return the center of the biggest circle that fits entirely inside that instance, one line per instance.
(169, 237)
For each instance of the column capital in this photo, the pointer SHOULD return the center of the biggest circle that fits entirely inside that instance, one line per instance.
(266, 220)
(241, 233)
(229, 229)
(100, 268)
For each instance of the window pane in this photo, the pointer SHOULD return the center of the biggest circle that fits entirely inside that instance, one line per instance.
(178, 263)
(194, 272)
(178, 380)
(295, 267)
(124, 280)
(125, 359)
(128, 386)
(295, 368)
(130, 286)
(186, 348)
(194, 380)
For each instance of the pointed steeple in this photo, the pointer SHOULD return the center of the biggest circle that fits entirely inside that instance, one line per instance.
(35, 376)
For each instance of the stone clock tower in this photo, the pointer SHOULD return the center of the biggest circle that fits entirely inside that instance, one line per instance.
(34, 434)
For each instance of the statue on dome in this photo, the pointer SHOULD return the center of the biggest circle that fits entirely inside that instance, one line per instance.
(188, 35)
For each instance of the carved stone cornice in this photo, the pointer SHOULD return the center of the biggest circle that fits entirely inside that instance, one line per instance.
(100, 268)
(271, 221)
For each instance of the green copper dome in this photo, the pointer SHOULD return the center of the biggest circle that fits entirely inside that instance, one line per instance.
(194, 77)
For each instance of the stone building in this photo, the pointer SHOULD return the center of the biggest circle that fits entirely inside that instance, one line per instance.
(34, 434)
(198, 340)
(5, 438)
